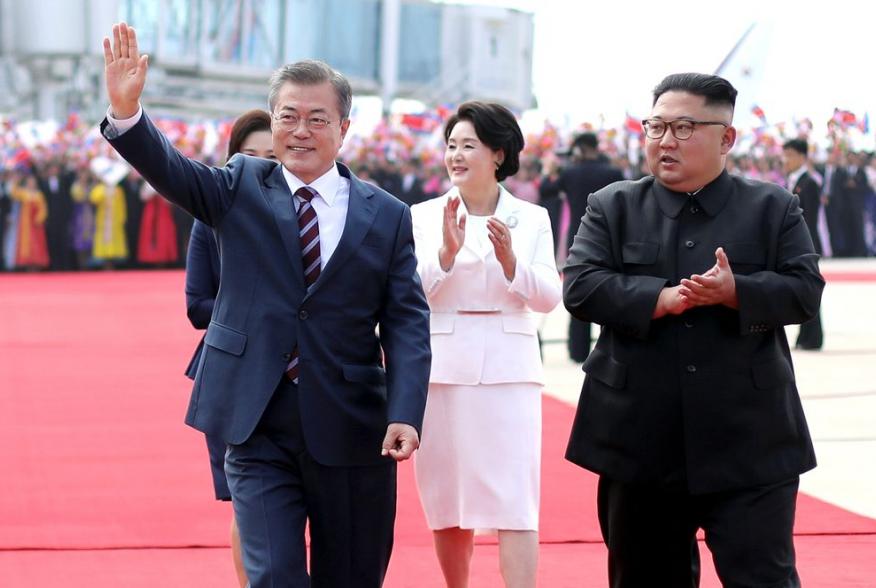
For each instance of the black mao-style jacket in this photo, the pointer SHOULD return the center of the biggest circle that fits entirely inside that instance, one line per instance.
(704, 400)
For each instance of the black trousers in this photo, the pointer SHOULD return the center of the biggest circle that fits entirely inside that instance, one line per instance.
(648, 531)
(277, 487)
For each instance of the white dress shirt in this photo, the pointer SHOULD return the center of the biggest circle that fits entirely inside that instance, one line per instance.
(795, 175)
(330, 204)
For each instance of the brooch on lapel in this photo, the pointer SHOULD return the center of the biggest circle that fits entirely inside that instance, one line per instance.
(511, 221)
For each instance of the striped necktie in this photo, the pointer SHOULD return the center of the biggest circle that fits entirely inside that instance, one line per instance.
(308, 234)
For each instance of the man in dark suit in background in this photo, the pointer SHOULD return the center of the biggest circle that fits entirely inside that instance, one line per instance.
(834, 196)
(291, 377)
(550, 196)
(795, 158)
(131, 185)
(5, 207)
(689, 412)
(54, 182)
(589, 171)
(857, 190)
(387, 176)
(411, 185)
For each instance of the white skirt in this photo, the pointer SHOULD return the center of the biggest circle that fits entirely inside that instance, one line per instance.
(479, 461)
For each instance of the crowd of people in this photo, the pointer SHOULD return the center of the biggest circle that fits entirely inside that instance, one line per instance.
(69, 204)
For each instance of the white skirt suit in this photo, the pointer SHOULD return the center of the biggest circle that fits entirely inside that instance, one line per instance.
(480, 455)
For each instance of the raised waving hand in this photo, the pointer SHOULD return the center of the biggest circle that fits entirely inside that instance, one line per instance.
(125, 71)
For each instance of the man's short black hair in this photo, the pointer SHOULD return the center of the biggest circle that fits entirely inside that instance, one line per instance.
(715, 89)
(586, 140)
(801, 146)
(496, 128)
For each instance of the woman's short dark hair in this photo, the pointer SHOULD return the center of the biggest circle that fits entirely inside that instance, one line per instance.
(496, 128)
(716, 90)
(247, 123)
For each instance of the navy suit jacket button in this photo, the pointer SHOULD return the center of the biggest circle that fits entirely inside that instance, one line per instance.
(287, 357)
(303, 315)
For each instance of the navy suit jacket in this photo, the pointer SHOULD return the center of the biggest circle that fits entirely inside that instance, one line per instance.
(202, 284)
(264, 310)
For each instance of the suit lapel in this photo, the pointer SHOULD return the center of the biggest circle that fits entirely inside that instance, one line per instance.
(507, 209)
(280, 199)
(361, 212)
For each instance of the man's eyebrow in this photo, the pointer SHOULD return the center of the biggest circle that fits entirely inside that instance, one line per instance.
(293, 109)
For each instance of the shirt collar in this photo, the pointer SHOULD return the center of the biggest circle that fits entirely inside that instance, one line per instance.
(712, 197)
(795, 176)
(326, 185)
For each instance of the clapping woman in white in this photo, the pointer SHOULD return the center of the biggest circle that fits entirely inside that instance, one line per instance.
(486, 260)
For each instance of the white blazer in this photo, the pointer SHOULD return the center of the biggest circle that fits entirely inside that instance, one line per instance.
(498, 342)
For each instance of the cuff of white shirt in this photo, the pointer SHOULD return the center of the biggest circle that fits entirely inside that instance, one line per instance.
(117, 127)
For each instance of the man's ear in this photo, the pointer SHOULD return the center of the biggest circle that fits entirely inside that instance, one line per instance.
(728, 139)
(345, 125)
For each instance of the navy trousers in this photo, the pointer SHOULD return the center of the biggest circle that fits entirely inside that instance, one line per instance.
(277, 488)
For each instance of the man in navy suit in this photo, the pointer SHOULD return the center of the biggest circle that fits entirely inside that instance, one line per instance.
(292, 375)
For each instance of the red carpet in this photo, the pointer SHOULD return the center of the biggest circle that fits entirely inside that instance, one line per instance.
(104, 485)
(832, 275)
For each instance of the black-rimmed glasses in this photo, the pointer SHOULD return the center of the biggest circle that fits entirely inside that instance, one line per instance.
(681, 128)
(289, 121)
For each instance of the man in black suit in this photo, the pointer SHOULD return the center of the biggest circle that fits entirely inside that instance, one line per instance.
(411, 185)
(857, 190)
(835, 199)
(589, 171)
(5, 207)
(689, 412)
(802, 184)
(54, 182)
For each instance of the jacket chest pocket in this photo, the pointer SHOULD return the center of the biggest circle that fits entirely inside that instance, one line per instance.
(639, 257)
(745, 257)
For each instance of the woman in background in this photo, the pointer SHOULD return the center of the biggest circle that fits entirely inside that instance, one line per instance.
(109, 244)
(485, 269)
(157, 241)
(250, 135)
(31, 251)
(83, 217)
